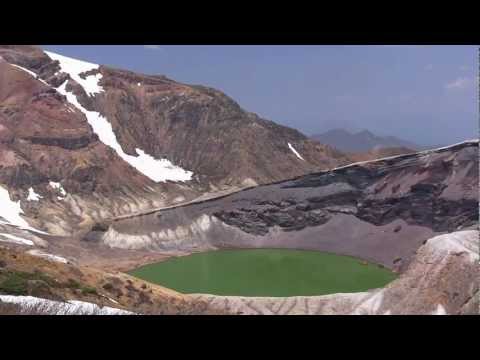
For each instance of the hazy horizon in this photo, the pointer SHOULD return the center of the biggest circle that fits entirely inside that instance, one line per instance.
(423, 94)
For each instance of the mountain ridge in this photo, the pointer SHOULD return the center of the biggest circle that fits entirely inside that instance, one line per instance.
(361, 141)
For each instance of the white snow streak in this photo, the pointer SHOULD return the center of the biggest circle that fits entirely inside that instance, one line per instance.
(295, 152)
(72, 307)
(157, 170)
(113, 300)
(32, 195)
(30, 73)
(48, 256)
(16, 240)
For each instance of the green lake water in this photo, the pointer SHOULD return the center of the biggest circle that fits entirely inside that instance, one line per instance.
(265, 272)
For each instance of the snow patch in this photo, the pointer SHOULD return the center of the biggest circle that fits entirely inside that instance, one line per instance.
(48, 256)
(295, 152)
(75, 67)
(440, 310)
(32, 195)
(248, 182)
(16, 240)
(72, 307)
(11, 210)
(457, 242)
(58, 186)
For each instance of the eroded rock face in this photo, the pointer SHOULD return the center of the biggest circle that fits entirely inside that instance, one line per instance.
(442, 279)
(381, 210)
(435, 190)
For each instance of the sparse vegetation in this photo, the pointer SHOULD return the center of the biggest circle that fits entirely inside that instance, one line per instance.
(32, 276)
(74, 284)
(38, 284)
(24, 283)
(87, 290)
(14, 284)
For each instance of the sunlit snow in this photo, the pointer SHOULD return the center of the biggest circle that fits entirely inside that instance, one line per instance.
(440, 310)
(11, 210)
(458, 242)
(75, 67)
(32, 195)
(71, 307)
(48, 256)
(295, 152)
(30, 73)
(16, 240)
(58, 186)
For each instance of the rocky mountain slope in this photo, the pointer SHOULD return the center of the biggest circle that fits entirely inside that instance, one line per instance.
(362, 141)
(80, 142)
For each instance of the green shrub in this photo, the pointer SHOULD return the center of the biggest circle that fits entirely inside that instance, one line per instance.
(73, 284)
(19, 282)
(87, 290)
(14, 284)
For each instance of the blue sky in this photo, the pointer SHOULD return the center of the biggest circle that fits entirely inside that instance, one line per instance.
(425, 94)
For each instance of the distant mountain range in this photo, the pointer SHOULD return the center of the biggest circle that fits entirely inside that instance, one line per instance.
(362, 141)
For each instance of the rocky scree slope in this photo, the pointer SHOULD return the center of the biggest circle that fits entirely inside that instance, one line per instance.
(92, 142)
